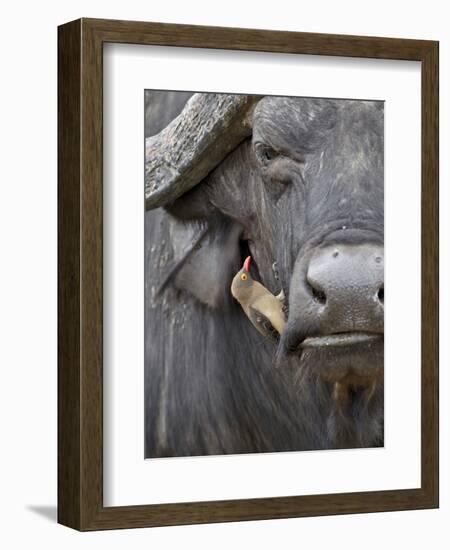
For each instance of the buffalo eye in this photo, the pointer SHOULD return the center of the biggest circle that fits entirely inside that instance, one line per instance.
(265, 154)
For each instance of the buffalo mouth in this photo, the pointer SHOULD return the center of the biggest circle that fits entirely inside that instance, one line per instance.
(350, 358)
(342, 339)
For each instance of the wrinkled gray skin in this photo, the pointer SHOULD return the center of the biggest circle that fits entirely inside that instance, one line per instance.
(307, 184)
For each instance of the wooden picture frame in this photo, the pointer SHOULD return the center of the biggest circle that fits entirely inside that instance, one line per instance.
(80, 271)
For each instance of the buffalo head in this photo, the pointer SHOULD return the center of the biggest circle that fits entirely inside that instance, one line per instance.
(298, 184)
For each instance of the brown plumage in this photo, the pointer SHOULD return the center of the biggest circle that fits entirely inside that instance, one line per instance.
(265, 311)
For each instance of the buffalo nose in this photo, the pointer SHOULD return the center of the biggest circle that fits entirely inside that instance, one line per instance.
(347, 285)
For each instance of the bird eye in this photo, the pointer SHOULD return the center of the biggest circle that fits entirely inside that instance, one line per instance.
(243, 277)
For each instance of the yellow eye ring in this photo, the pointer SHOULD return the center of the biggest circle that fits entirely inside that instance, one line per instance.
(244, 277)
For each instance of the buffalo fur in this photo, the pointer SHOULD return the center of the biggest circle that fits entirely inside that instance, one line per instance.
(311, 172)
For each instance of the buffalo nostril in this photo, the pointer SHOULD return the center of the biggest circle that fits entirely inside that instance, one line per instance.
(381, 295)
(316, 290)
(318, 295)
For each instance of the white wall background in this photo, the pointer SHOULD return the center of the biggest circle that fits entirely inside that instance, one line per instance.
(28, 273)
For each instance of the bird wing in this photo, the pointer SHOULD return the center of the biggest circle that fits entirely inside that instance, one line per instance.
(263, 324)
(269, 306)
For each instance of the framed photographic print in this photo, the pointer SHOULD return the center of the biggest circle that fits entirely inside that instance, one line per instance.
(231, 202)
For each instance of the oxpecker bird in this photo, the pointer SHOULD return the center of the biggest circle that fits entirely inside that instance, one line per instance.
(265, 310)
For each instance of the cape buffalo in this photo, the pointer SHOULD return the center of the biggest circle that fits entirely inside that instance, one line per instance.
(297, 184)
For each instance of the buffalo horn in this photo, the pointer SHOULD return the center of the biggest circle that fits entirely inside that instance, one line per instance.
(196, 141)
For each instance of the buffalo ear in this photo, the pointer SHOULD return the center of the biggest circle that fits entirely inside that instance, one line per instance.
(207, 270)
(192, 206)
